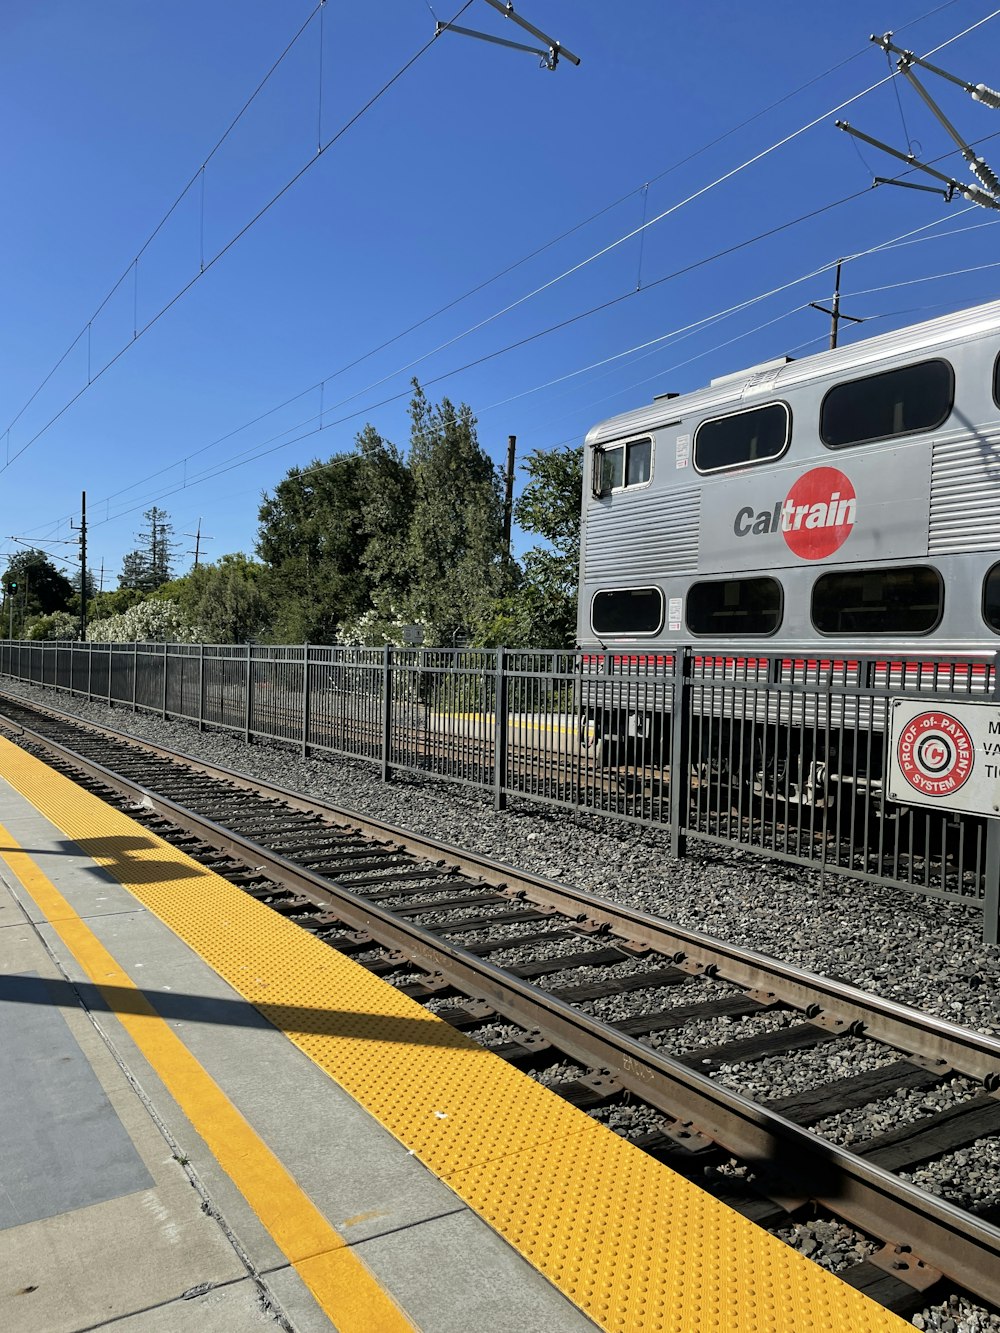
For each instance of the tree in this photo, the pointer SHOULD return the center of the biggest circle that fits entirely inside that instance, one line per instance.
(226, 599)
(149, 565)
(541, 613)
(147, 622)
(387, 496)
(33, 586)
(59, 625)
(311, 538)
(455, 543)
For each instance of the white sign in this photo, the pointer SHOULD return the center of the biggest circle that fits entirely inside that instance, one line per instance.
(674, 614)
(683, 450)
(946, 755)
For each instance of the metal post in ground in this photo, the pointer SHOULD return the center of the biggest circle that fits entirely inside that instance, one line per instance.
(680, 766)
(163, 692)
(135, 672)
(305, 700)
(248, 695)
(386, 712)
(500, 731)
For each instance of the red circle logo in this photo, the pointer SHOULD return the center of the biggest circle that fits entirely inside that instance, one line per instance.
(935, 754)
(818, 513)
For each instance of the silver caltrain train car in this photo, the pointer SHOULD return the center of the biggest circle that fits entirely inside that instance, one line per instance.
(796, 516)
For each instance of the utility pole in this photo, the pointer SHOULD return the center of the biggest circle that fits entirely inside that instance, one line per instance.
(198, 539)
(508, 502)
(83, 567)
(835, 314)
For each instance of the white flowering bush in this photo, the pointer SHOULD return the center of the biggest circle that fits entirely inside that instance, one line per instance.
(373, 628)
(60, 625)
(146, 622)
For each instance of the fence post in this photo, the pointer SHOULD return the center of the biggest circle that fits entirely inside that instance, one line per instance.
(163, 691)
(386, 711)
(680, 766)
(111, 667)
(305, 700)
(135, 672)
(500, 740)
(248, 695)
(991, 887)
(201, 687)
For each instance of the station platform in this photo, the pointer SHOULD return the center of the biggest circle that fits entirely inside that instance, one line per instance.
(210, 1120)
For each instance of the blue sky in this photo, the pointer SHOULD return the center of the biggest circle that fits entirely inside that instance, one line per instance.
(474, 160)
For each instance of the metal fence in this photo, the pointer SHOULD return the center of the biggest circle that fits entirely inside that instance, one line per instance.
(783, 756)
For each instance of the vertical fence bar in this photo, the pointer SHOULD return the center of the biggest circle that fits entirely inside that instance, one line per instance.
(305, 700)
(500, 735)
(680, 767)
(135, 671)
(163, 689)
(247, 694)
(386, 711)
(201, 687)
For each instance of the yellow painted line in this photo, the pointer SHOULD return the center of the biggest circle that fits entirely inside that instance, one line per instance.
(634, 1245)
(340, 1282)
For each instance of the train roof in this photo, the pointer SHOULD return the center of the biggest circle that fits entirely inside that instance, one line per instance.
(774, 377)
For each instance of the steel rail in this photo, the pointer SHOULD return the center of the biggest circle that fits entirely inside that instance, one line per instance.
(964, 1247)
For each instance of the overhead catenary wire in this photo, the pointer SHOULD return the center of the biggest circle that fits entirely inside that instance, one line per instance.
(604, 250)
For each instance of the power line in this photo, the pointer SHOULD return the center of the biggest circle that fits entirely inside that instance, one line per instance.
(206, 266)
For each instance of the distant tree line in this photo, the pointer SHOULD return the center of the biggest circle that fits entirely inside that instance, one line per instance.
(369, 547)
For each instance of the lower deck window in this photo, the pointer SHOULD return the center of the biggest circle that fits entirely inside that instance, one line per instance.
(734, 606)
(991, 599)
(878, 601)
(627, 611)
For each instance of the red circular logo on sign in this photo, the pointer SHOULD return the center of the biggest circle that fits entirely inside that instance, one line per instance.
(935, 754)
(818, 513)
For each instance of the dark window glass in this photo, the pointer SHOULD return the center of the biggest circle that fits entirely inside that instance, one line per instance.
(624, 465)
(627, 611)
(896, 402)
(734, 606)
(991, 599)
(878, 601)
(996, 381)
(638, 462)
(743, 437)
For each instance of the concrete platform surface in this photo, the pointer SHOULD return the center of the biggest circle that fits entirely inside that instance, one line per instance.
(114, 1212)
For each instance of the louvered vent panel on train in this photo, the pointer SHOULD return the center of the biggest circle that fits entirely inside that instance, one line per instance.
(644, 536)
(965, 497)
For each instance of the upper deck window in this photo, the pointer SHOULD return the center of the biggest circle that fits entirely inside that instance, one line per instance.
(724, 607)
(627, 611)
(895, 402)
(622, 465)
(742, 438)
(898, 600)
(996, 381)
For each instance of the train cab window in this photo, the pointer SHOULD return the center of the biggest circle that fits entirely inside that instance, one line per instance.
(622, 465)
(742, 438)
(991, 599)
(896, 402)
(627, 611)
(906, 600)
(724, 607)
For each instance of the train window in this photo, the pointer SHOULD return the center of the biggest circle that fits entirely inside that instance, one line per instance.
(996, 381)
(621, 465)
(906, 600)
(896, 402)
(742, 438)
(991, 599)
(627, 611)
(734, 606)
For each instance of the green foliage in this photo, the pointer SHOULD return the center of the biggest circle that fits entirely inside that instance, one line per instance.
(455, 542)
(113, 603)
(41, 589)
(541, 613)
(151, 621)
(59, 625)
(226, 599)
(148, 567)
(311, 537)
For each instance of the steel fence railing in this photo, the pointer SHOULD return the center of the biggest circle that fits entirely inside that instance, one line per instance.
(783, 756)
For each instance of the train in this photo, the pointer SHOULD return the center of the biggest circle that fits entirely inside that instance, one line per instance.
(798, 520)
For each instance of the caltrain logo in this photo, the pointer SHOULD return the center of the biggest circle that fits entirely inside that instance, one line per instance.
(935, 754)
(815, 518)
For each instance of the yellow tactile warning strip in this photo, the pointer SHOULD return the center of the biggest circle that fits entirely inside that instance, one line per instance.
(631, 1243)
(339, 1281)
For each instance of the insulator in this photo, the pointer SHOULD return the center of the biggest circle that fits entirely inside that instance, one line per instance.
(985, 174)
(986, 95)
(975, 195)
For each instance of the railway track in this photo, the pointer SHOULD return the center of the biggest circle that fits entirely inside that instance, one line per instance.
(603, 1003)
